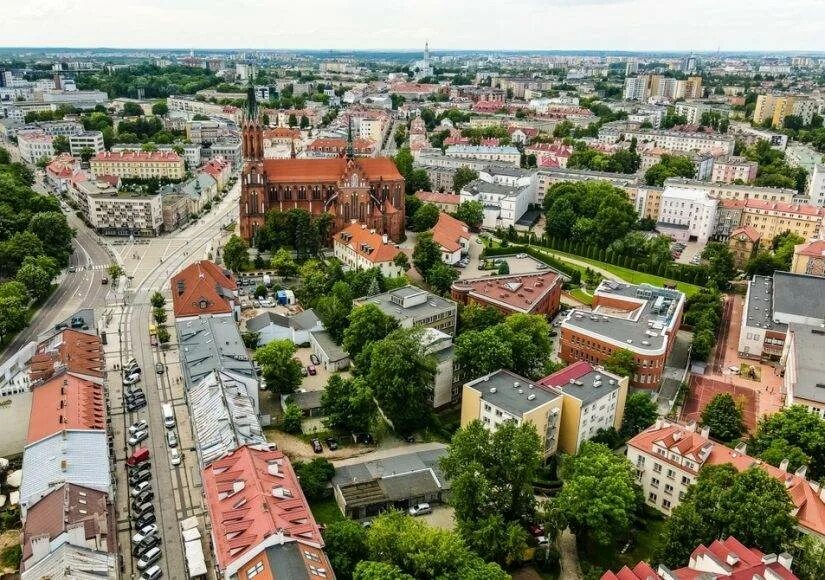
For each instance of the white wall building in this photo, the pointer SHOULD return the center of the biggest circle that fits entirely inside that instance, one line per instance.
(502, 154)
(35, 145)
(505, 194)
(87, 140)
(687, 214)
(683, 141)
(816, 185)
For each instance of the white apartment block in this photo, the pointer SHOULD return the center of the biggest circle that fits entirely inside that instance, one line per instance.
(35, 145)
(505, 194)
(501, 154)
(693, 111)
(636, 88)
(684, 142)
(816, 185)
(805, 109)
(687, 214)
(120, 214)
(92, 140)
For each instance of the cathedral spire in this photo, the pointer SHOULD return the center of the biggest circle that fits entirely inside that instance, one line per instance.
(350, 148)
(251, 104)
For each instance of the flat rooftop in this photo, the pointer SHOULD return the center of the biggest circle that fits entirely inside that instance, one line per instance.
(582, 381)
(521, 292)
(760, 304)
(643, 324)
(799, 295)
(513, 393)
(209, 344)
(809, 345)
(389, 305)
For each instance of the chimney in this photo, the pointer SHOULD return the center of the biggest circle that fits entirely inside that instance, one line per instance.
(741, 448)
(768, 559)
(801, 471)
(691, 426)
(40, 548)
(385, 238)
(783, 465)
(705, 432)
(666, 573)
(785, 560)
(732, 559)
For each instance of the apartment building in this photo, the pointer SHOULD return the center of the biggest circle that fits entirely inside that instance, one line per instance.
(412, 306)
(505, 192)
(687, 214)
(203, 131)
(667, 458)
(642, 319)
(533, 293)
(816, 185)
(809, 258)
(91, 140)
(123, 214)
(735, 191)
(777, 107)
(734, 168)
(682, 141)
(360, 248)
(35, 145)
(593, 399)
(501, 154)
(193, 107)
(505, 396)
(647, 200)
(769, 218)
(139, 164)
(693, 111)
(771, 304)
(446, 202)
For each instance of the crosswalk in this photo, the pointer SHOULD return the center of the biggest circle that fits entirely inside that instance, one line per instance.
(92, 267)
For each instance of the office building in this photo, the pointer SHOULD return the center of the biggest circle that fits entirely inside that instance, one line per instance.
(412, 306)
(87, 140)
(687, 214)
(532, 293)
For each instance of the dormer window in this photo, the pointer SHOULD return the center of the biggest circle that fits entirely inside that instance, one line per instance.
(203, 304)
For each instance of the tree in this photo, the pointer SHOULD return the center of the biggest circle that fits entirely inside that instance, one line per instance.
(60, 144)
(441, 277)
(471, 212)
(280, 369)
(419, 180)
(463, 176)
(159, 315)
(283, 264)
(37, 281)
(401, 374)
(503, 269)
(808, 557)
(292, 120)
(346, 546)
(160, 109)
(367, 324)
(422, 551)
(750, 505)
(599, 497)
(426, 217)
(621, 362)
(368, 570)
(115, 271)
(157, 300)
(426, 253)
(402, 261)
(348, 404)
(163, 335)
(476, 317)
(492, 493)
(721, 267)
(304, 121)
(236, 253)
(314, 476)
(724, 417)
(640, 412)
(334, 309)
(260, 291)
(13, 308)
(529, 337)
(291, 422)
(132, 109)
(478, 353)
(669, 166)
(797, 429)
(52, 229)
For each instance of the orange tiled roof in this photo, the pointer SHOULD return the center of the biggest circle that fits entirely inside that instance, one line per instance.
(437, 197)
(78, 351)
(328, 170)
(779, 206)
(252, 494)
(281, 132)
(62, 166)
(752, 233)
(357, 236)
(65, 402)
(814, 249)
(202, 288)
(448, 231)
(518, 292)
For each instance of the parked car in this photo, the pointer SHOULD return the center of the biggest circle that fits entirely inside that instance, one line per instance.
(175, 456)
(304, 372)
(171, 439)
(131, 380)
(314, 359)
(138, 437)
(149, 558)
(521, 256)
(139, 477)
(137, 489)
(147, 544)
(152, 573)
(135, 405)
(104, 280)
(159, 368)
(147, 495)
(145, 520)
(420, 509)
(316, 445)
(140, 510)
(332, 443)
(311, 370)
(536, 529)
(138, 426)
(143, 532)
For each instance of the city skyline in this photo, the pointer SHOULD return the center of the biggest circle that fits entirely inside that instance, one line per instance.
(621, 25)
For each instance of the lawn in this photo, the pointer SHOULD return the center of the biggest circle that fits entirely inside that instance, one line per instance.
(648, 533)
(326, 511)
(581, 296)
(625, 274)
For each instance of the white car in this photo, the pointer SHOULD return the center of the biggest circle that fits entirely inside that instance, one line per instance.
(521, 256)
(143, 532)
(140, 487)
(175, 456)
(420, 509)
(171, 439)
(138, 437)
(131, 380)
(138, 426)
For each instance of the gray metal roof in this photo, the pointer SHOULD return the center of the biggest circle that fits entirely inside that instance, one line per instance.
(305, 400)
(511, 392)
(760, 304)
(75, 562)
(406, 485)
(587, 391)
(480, 186)
(332, 350)
(406, 462)
(210, 343)
(809, 347)
(432, 306)
(799, 295)
(74, 456)
(286, 561)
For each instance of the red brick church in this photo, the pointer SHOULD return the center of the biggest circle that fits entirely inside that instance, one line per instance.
(368, 190)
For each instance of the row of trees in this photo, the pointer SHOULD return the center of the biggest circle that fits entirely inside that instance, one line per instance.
(153, 82)
(622, 161)
(703, 311)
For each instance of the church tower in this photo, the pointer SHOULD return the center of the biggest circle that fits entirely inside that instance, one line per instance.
(253, 203)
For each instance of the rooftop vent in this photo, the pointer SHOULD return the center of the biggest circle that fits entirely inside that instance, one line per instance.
(493, 390)
(531, 397)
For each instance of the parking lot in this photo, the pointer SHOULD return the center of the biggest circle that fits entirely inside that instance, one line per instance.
(690, 254)
(518, 264)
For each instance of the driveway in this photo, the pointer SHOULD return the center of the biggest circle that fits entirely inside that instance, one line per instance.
(443, 517)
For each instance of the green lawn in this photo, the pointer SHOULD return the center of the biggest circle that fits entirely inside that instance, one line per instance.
(609, 558)
(326, 511)
(581, 296)
(625, 274)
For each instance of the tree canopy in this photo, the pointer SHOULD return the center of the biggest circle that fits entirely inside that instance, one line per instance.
(640, 412)
(796, 431)
(723, 416)
(621, 362)
(280, 369)
(348, 404)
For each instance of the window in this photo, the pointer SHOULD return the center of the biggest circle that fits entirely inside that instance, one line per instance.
(652, 497)
(666, 504)
(654, 482)
(255, 570)
(685, 480)
(657, 467)
(671, 474)
(668, 488)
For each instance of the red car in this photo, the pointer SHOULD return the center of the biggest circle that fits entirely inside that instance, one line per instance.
(536, 530)
(139, 456)
(311, 370)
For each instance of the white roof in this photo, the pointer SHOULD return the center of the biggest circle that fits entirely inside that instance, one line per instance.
(80, 457)
(195, 561)
(68, 561)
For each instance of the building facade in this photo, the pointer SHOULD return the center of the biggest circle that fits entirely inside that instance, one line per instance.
(687, 214)
(139, 164)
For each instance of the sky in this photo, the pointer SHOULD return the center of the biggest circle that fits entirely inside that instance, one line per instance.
(635, 25)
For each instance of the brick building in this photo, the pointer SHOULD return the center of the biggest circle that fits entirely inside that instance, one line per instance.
(538, 293)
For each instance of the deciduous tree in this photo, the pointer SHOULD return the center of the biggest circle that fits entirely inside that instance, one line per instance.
(640, 412)
(621, 362)
(346, 546)
(724, 418)
(367, 324)
(281, 370)
(348, 404)
(236, 253)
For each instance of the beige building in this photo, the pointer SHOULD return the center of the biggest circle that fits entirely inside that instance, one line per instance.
(770, 219)
(730, 169)
(505, 396)
(139, 164)
(809, 258)
(777, 107)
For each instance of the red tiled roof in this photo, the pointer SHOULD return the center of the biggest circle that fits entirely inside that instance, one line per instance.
(765, 205)
(814, 249)
(356, 236)
(752, 233)
(67, 506)
(216, 165)
(448, 232)
(809, 504)
(338, 144)
(437, 197)
(252, 494)
(328, 170)
(202, 288)
(66, 402)
(62, 167)
(518, 292)
(279, 132)
(78, 351)
(135, 156)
